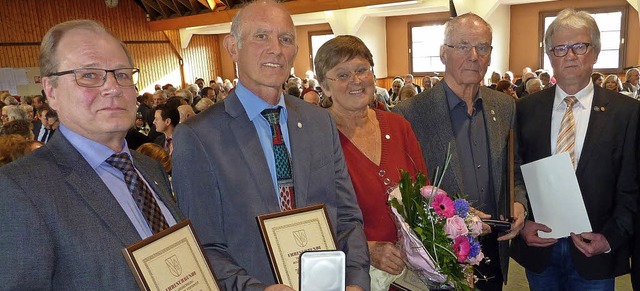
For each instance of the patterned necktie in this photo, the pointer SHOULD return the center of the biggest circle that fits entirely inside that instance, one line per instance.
(140, 192)
(283, 164)
(567, 135)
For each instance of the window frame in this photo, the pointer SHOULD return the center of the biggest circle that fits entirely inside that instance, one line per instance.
(592, 10)
(310, 34)
(410, 26)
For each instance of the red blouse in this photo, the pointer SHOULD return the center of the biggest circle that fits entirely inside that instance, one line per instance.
(400, 150)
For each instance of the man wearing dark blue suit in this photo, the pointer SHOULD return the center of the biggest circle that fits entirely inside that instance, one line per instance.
(224, 170)
(67, 212)
(604, 147)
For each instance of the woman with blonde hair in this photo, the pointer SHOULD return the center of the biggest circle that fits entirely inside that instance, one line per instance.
(613, 83)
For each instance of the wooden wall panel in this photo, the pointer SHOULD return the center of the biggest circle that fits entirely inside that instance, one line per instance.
(24, 23)
(200, 58)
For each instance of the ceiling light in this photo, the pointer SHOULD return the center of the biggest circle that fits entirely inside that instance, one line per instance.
(393, 4)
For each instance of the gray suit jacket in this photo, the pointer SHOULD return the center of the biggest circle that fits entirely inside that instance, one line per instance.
(223, 183)
(429, 116)
(61, 226)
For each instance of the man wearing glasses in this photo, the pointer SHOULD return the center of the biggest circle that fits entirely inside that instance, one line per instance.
(599, 130)
(69, 208)
(474, 122)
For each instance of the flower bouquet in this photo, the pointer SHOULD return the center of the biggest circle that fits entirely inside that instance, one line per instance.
(437, 233)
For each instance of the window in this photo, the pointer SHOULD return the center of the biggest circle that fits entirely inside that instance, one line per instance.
(316, 40)
(424, 52)
(612, 23)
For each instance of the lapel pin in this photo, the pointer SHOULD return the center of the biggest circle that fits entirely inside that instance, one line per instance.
(387, 136)
(155, 183)
(493, 113)
(299, 124)
(602, 108)
(494, 118)
(596, 108)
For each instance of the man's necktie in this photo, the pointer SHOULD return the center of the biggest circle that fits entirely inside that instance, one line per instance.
(140, 192)
(283, 163)
(169, 145)
(44, 136)
(567, 135)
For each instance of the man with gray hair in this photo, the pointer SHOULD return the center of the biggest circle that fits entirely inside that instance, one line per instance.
(69, 208)
(261, 151)
(474, 122)
(408, 79)
(599, 130)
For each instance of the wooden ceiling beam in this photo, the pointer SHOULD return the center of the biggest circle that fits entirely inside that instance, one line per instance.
(294, 7)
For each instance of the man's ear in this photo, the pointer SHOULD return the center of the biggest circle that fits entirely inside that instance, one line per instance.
(443, 58)
(231, 45)
(47, 86)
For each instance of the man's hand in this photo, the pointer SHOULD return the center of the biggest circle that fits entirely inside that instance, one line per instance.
(486, 229)
(279, 287)
(529, 234)
(386, 257)
(517, 224)
(354, 288)
(590, 244)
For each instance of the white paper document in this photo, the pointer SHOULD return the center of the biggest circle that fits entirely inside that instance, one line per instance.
(555, 196)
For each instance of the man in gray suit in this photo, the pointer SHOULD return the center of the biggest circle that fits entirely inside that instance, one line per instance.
(224, 169)
(66, 212)
(474, 121)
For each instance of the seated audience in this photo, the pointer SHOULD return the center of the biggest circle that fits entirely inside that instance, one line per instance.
(612, 82)
(203, 104)
(597, 78)
(506, 87)
(20, 127)
(157, 153)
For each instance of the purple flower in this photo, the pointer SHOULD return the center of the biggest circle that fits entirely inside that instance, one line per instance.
(462, 207)
(474, 247)
(443, 205)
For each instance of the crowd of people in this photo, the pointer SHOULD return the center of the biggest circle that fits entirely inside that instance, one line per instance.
(90, 167)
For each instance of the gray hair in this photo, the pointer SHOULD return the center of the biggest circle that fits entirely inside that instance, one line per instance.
(186, 94)
(203, 104)
(530, 82)
(48, 48)
(570, 18)
(238, 20)
(15, 113)
(628, 74)
(451, 25)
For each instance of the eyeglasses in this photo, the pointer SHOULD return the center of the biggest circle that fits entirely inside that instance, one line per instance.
(93, 77)
(562, 50)
(481, 49)
(346, 77)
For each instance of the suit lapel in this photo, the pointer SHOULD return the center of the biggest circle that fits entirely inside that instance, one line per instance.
(83, 179)
(445, 138)
(158, 183)
(300, 159)
(497, 130)
(598, 120)
(248, 143)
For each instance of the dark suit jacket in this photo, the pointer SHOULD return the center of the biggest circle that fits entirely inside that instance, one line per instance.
(428, 113)
(36, 128)
(606, 172)
(222, 181)
(61, 226)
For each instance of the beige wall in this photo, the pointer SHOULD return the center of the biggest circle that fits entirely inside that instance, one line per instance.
(524, 51)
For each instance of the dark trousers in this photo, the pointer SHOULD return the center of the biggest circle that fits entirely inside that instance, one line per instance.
(488, 271)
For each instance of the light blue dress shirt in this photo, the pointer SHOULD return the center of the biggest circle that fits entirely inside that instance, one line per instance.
(95, 154)
(254, 105)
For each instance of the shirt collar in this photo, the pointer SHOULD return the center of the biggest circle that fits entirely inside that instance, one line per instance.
(254, 105)
(584, 96)
(93, 152)
(453, 100)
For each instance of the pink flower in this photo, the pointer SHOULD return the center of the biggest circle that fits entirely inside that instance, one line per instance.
(461, 248)
(477, 259)
(455, 227)
(475, 225)
(443, 205)
(429, 191)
